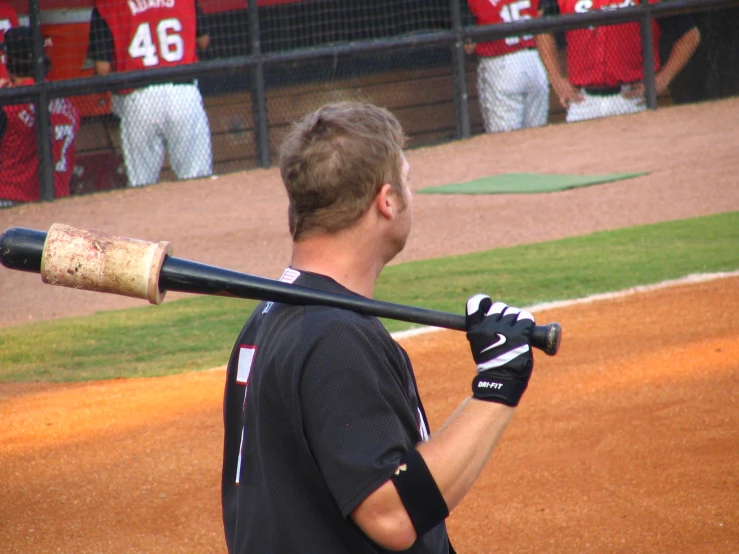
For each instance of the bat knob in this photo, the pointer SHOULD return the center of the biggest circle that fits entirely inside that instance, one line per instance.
(547, 338)
(21, 249)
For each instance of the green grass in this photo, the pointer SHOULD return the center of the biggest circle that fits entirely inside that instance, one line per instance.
(189, 334)
(568, 268)
(198, 333)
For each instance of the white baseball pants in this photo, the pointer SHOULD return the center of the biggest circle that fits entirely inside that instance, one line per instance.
(161, 118)
(513, 91)
(594, 106)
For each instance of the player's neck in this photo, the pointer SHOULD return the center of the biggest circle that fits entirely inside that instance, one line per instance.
(349, 257)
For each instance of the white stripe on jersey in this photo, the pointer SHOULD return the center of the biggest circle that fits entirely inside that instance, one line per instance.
(422, 427)
(289, 275)
(246, 361)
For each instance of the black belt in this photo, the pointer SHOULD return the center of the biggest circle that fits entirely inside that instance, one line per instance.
(602, 91)
(177, 82)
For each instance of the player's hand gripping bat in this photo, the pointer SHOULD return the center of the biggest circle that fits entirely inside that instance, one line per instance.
(91, 260)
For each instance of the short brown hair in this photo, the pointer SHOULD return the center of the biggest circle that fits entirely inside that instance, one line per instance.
(334, 162)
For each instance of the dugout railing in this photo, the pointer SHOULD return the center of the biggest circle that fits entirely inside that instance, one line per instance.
(253, 69)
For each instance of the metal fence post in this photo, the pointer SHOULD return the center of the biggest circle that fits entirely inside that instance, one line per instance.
(459, 66)
(258, 92)
(41, 104)
(647, 42)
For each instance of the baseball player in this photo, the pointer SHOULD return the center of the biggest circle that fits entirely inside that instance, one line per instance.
(19, 165)
(327, 448)
(605, 63)
(511, 81)
(139, 34)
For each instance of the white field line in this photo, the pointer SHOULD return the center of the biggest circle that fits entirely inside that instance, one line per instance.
(687, 280)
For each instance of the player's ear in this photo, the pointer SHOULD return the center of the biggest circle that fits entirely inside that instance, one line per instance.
(385, 201)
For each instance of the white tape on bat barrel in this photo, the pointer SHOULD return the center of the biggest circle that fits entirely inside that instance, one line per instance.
(91, 260)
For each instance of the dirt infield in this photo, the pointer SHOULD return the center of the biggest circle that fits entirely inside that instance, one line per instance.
(625, 442)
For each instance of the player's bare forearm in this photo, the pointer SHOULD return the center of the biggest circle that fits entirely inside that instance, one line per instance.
(562, 88)
(680, 55)
(457, 453)
(444, 468)
(548, 53)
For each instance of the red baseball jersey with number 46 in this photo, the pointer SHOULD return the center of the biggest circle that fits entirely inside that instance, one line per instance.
(150, 33)
(489, 12)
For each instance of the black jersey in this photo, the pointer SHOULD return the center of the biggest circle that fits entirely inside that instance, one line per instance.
(320, 405)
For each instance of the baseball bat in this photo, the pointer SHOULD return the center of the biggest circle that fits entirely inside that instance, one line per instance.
(22, 249)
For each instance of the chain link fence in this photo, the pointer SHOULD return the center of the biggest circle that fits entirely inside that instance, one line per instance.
(141, 91)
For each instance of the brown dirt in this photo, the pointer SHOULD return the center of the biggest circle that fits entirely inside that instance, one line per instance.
(625, 441)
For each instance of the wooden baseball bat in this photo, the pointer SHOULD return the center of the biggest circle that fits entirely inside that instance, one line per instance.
(24, 249)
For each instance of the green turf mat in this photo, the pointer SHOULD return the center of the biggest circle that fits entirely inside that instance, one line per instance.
(527, 183)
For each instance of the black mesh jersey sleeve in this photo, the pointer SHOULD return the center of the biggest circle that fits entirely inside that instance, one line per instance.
(676, 26)
(358, 402)
(549, 7)
(201, 23)
(3, 122)
(100, 46)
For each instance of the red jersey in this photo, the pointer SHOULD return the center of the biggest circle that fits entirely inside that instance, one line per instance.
(19, 166)
(608, 55)
(8, 20)
(65, 123)
(150, 33)
(489, 12)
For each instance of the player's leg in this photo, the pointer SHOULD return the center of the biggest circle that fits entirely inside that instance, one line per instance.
(143, 146)
(501, 86)
(188, 134)
(484, 94)
(536, 107)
